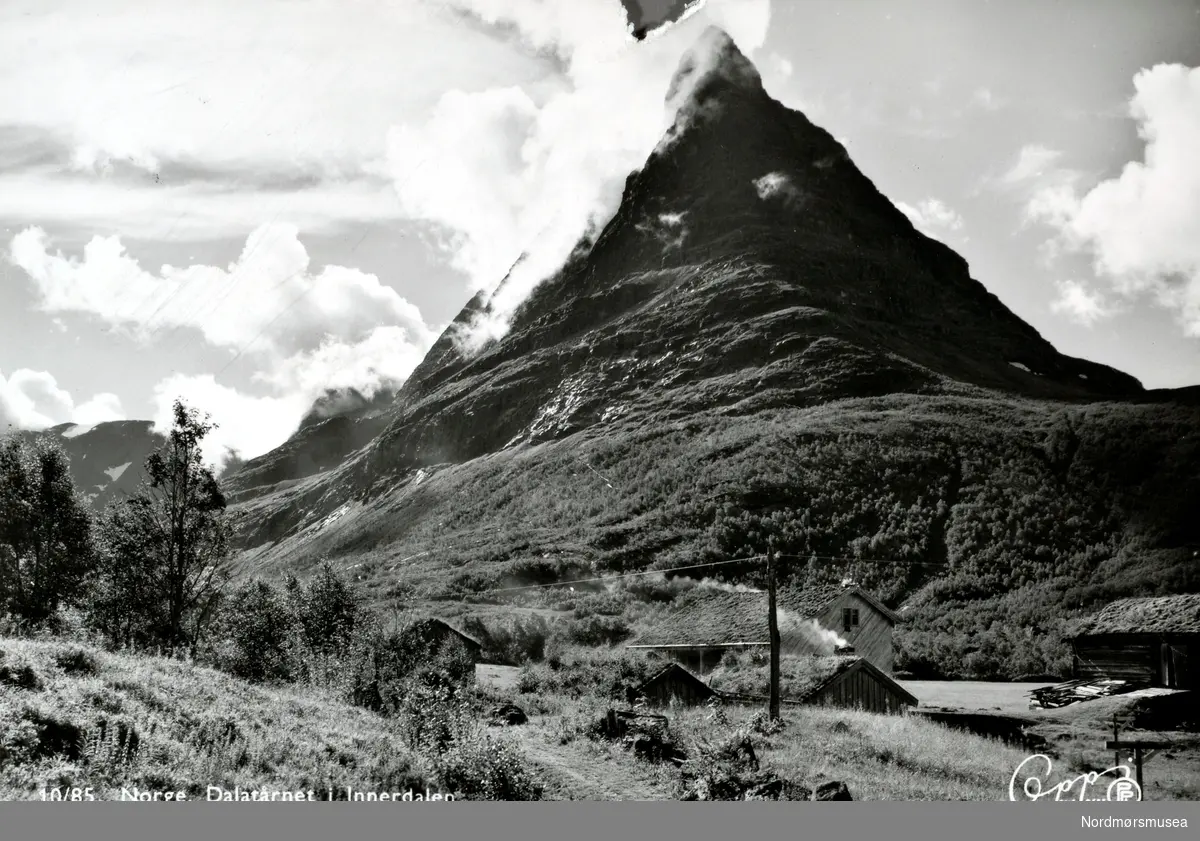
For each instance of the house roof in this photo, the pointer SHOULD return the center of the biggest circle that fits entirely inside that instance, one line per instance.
(708, 616)
(438, 620)
(805, 677)
(674, 671)
(1150, 615)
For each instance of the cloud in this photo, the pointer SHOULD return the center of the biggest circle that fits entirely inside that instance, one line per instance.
(34, 400)
(267, 299)
(1081, 303)
(776, 185)
(309, 330)
(1033, 162)
(932, 216)
(782, 66)
(191, 211)
(987, 100)
(247, 425)
(266, 83)
(552, 169)
(1142, 227)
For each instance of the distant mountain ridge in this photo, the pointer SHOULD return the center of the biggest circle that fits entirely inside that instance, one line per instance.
(106, 458)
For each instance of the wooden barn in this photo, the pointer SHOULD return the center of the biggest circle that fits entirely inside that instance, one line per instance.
(435, 630)
(856, 683)
(1153, 641)
(707, 622)
(675, 683)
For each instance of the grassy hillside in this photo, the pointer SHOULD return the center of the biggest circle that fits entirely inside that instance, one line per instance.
(991, 521)
(71, 716)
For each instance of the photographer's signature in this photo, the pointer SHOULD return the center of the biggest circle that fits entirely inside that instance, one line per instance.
(1036, 772)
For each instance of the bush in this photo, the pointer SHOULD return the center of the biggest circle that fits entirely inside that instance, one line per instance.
(18, 739)
(582, 672)
(517, 641)
(20, 674)
(260, 634)
(479, 766)
(77, 661)
(328, 610)
(596, 630)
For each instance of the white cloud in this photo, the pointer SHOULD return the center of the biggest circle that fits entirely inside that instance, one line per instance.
(1081, 303)
(1034, 161)
(987, 100)
(34, 400)
(310, 330)
(245, 424)
(555, 161)
(189, 212)
(932, 216)
(1142, 227)
(268, 82)
(267, 297)
(776, 185)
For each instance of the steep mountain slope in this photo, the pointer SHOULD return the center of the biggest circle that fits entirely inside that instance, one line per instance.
(339, 422)
(759, 343)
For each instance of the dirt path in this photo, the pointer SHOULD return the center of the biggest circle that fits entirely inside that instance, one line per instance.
(574, 772)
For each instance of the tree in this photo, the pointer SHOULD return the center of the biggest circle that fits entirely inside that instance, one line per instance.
(328, 609)
(46, 548)
(166, 547)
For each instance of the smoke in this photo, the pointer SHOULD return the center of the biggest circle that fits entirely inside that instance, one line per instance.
(821, 639)
(724, 587)
(551, 172)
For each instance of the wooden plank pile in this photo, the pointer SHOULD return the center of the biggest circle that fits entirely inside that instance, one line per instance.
(1073, 691)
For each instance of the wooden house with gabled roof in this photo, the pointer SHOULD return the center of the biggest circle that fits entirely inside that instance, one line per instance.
(708, 621)
(1151, 641)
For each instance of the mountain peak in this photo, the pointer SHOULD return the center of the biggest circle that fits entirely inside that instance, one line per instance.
(713, 57)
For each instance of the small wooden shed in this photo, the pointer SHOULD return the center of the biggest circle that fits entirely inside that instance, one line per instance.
(857, 683)
(674, 682)
(435, 630)
(1153, 641)
(842, 680)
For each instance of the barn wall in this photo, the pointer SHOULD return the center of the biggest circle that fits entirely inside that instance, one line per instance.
(872, 639)
(859, 689)
(1132, 657)
(1185, 672)
(687, 692)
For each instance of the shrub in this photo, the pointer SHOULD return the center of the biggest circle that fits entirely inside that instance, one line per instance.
(596, 630)
(259, 636)
(18, 739)
(77, 661)
(20, 674)
(480, 766)
(519, 640)
(328, 610)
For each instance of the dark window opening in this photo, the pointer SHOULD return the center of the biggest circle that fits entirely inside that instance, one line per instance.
(849, 619)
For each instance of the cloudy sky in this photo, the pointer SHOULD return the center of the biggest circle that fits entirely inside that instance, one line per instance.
(245, 203)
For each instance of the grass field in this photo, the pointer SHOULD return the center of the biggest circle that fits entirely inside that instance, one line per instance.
(972, 695)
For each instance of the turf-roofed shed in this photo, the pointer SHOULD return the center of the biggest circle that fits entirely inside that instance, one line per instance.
(1154, 641)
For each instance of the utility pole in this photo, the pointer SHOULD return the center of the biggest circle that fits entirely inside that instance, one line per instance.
(773, 626)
